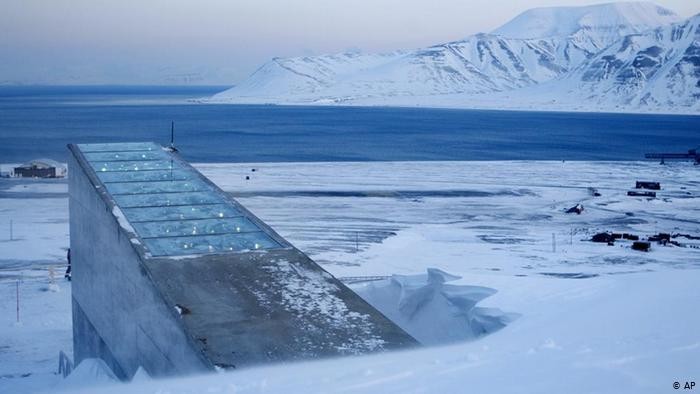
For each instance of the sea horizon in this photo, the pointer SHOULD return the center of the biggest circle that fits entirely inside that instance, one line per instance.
(40, 121)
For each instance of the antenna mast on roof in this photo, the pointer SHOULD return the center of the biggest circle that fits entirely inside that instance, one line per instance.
(172, 137)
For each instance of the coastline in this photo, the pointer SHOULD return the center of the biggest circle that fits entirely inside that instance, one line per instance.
(474, 106)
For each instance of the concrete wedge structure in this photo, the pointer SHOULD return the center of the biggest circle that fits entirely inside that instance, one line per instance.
(172, 274)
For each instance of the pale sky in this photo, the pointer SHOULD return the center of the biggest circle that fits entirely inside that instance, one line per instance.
(142, 42)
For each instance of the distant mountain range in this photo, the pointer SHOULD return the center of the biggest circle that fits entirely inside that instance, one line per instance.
(629, 56)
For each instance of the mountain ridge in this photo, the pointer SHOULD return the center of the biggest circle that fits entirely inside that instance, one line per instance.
(488, 66)
(630, 17)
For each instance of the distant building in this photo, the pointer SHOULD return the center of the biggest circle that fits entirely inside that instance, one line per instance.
(41, 168)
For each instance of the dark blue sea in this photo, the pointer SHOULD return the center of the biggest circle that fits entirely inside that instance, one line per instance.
(39, 122)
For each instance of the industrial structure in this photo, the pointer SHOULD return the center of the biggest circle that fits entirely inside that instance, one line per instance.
(692, 154)
(41, 168)
(172, 274)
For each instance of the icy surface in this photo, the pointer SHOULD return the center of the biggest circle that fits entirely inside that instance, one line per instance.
(592, 317)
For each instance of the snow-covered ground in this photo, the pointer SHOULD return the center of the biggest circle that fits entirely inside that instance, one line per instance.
(587, 317)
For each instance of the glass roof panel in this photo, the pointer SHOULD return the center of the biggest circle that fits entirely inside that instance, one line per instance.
(167, 199)
(118, 147)
(142, 176)
(126, 156)
(181, 228)
(175, 246)
(184, 212)
(171, 207)
(157, 187)
(106, 166)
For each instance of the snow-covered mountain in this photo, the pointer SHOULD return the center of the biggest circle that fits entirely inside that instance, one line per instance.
(657, 69)
(559, 48)
(603, 23)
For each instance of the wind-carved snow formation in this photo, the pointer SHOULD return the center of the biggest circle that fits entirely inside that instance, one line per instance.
(432, 311)
(631, 56)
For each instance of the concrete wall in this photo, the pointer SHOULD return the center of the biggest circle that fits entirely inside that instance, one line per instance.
(118, 315)
(242, 308)
(257, 308)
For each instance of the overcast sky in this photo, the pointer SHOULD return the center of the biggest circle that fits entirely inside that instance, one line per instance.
(145, 41)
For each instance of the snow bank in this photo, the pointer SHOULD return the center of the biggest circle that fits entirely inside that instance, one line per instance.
(594, 318)
(604, 335)
(430, 310)
(141, 375)
(91, 371)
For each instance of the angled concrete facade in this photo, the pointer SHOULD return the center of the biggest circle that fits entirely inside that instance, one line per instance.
(173, 275)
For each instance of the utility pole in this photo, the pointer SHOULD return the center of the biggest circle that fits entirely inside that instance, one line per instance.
(571, 241)
(357, 241)
(554, 243)
(17, 288)
(11, 234)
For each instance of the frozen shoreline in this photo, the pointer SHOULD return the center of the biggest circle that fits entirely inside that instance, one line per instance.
(492, 102)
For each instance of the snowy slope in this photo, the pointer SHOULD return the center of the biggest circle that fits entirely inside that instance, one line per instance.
(544, 45)
(660, 68)
(306, 74)
(592, 318)
(604, 23)
(613, 335)
(480, 64)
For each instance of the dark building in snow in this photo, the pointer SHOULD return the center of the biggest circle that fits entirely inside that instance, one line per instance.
(647, 185)
(41, 168)
(172, 274)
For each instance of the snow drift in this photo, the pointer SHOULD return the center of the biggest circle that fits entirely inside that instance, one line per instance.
(432, 311)
(90, 371)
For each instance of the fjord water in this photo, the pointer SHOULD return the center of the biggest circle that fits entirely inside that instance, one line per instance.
(40, 121)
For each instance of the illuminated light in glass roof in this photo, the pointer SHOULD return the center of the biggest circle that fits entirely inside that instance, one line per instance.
(202, 244)
(170, 206)
(144, 176)
(126, 156)
(173, 228)
(107, 166)
(187, 212)
(120, 147)
(175, 186)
